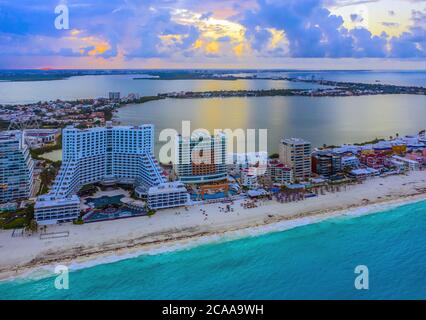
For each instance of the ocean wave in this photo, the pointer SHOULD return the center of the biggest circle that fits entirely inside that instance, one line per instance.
(47, 271)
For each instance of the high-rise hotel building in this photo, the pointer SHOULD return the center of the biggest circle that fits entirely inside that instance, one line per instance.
(16, 167)
(111, 154)
(201, 158)
(296, 153)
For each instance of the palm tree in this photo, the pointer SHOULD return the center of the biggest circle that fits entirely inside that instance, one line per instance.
(32, 227)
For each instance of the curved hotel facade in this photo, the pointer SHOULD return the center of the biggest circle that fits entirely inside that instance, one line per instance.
(119, 154)
(16, 167)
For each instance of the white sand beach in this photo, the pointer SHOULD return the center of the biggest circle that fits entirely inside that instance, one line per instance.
(168, 228)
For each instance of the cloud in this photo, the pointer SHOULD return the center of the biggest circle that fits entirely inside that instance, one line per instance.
(347, 3)
(411, 44)
(390, 24)
(356, 17)
(153, 32)
(206, 15)
(313, 31)
(192, 30)
(310, 29)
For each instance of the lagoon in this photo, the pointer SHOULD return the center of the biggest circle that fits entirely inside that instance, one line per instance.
(321, 120)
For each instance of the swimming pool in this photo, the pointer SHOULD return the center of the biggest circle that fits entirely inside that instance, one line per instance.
(214, 196)
(111, 214)
(104, 201)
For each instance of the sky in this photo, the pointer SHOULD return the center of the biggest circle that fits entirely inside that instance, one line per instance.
(291, 34)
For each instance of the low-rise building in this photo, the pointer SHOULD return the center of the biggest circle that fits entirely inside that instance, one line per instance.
(350, 162)
(39, 137)
(373, 160)
(50, 211)
(364, 173)
(411, 165)
(167, 195)
(325, 163)
(250, 178)
(279, 173)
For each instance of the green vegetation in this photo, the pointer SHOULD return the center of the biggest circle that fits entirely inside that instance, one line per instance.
(32, 226)
(108, 114)
(41, 77)
(376, 140)
(188, 76)
(150, 212)
(144, 99)
(88, 190)
(36, 153)
(47, 176)
(274, 156)
(4, 125)
(78, 221)
(21, 218)
(81, 126)
(134, 196)
(16, 223)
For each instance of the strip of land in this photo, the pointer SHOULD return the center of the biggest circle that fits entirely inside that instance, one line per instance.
(72, 244)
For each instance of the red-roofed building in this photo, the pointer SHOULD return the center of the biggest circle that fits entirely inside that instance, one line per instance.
(373, 160)
(279, 173)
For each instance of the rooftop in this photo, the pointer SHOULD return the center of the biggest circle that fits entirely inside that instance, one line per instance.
(143, 126)
(295, 141)
(10, 135)
(167, 187)
(47, 201)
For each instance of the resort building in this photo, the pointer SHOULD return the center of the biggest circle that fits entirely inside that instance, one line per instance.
(168, 195)
(296, 153)
(350, 162)
(375, 160)
(239, 161)
(279, 173)
(363, 173)
(36, 138)
(409, 164)
(249, 178)
(417, 156)
(201, 158)
(399, 149)
(109, 155)
(114, 96)
(16, 167)
(345, 149)
(48, 210)
(326, 164)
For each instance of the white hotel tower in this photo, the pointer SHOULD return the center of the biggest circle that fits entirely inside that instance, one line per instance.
(120, 154)
(201, 158)
(16, 167)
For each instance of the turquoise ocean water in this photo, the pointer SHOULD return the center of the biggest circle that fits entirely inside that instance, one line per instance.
(313, 261)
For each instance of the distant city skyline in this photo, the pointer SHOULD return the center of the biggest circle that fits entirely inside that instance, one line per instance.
(291, 34)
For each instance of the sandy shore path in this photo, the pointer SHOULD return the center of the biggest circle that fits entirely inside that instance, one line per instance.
(178, 226)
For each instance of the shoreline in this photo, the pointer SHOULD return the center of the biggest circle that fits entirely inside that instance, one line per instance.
(109, 249)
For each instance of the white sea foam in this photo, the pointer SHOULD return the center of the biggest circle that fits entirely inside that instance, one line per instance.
(48, 270)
